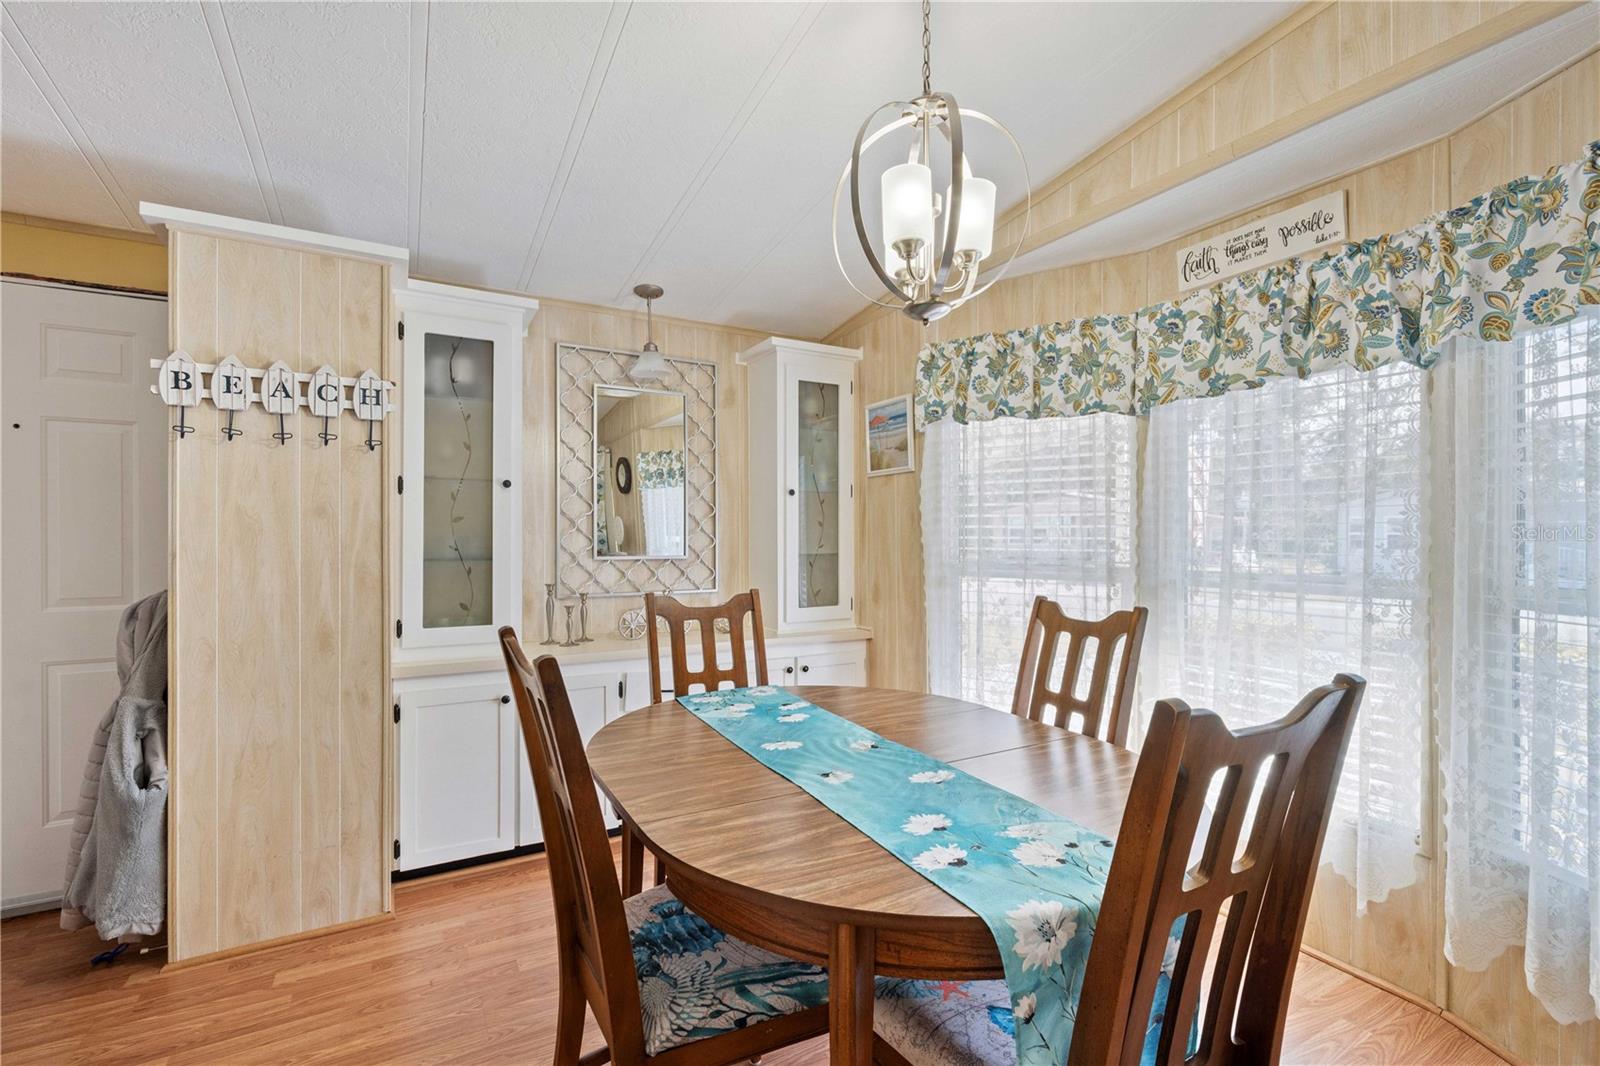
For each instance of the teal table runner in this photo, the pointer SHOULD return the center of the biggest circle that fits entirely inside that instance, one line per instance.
(1034, 877)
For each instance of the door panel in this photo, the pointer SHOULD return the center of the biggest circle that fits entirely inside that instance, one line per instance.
(833, 668)
(595, 700)
(458, 764)
(83, 493)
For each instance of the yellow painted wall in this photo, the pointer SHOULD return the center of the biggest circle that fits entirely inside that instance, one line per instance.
(42, 249)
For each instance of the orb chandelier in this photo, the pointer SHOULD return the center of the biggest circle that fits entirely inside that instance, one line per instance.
(933, 246)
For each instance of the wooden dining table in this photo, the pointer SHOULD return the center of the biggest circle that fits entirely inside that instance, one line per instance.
(753, 854)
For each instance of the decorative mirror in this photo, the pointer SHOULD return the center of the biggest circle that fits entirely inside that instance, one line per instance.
(639, 433)
(636, 474)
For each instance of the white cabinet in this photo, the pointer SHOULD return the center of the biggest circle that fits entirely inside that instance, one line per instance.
(465, 786)
(461, 488)
(802, 443)
(459, 758)
(596, 699)
(845, 664)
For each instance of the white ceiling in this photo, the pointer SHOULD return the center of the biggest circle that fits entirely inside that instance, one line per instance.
(569, 150)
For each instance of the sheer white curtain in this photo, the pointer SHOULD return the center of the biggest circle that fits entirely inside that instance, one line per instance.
(1012, 509)
(1281, 543)
(1520, 681)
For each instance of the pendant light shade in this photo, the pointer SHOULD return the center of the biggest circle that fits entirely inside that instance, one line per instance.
(929, 248)
(651, 366)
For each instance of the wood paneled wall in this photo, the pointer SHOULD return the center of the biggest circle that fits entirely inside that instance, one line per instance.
(279, 684)
(1399, 940)
(1325, 58)
(559, 322)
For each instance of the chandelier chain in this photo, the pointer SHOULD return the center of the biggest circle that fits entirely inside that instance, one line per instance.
(927, 40)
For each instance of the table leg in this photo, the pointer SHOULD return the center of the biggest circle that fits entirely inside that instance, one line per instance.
(632, 861)
(850, 992)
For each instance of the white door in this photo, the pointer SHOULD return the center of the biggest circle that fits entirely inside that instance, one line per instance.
(596, 699)
(833, 668)
(459, 753)
(83, 505)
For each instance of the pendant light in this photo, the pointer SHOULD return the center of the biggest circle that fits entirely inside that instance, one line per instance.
(933, 242)
(651, 367)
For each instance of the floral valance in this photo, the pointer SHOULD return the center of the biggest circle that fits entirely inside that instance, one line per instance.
(1524, 255)
(660, 470)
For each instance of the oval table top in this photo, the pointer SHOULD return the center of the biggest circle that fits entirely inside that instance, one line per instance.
(724, 821)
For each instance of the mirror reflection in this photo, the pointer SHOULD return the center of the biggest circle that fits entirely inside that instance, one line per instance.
(640, 502)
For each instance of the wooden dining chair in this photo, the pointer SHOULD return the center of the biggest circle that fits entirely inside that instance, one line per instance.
(1046, 696)
(1285, 775)
(678, 616)
(666, 987)
(711, 674)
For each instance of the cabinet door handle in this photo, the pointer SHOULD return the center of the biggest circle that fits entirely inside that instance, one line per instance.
(505, 699)
(791, 492)
(788, 669)
(805, 669)
(506, 484)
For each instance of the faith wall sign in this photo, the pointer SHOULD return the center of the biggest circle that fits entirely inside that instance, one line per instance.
(1311, 227)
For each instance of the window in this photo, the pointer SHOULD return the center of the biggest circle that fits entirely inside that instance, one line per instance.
(1013, 509)
(1282, 544)
(1521, 699)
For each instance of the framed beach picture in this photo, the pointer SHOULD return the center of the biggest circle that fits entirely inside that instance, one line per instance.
(889, 445)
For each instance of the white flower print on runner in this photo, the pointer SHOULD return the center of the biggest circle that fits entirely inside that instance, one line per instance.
(793, 717)
(782, 745)
(940, 856)
(838, 777)
(1038, 853)
(1025, 1007)
(920, 825)
(1043, 928)
(930, 777)
(1026, 831)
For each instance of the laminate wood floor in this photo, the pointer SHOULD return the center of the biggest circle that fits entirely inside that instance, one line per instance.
(464, 973)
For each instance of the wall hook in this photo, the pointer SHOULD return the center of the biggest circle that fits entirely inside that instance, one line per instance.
(325, 436)
(228, 430)
(183, 428)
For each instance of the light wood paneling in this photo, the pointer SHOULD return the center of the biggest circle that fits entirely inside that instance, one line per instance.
(278, 604)
(1323, 59)
(1400, 939)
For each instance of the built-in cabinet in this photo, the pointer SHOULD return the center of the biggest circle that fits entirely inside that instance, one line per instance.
(802, 439)
(461, 487)
(465, 789)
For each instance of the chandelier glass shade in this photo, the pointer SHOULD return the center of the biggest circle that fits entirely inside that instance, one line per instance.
(937, 221)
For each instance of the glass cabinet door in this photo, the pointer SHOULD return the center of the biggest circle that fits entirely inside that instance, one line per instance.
(458, 481)
(817, 418)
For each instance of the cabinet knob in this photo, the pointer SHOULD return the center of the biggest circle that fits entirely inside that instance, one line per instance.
(805, 669)
(791, 492)
(506, 484)
(505, 699)
(788, 669)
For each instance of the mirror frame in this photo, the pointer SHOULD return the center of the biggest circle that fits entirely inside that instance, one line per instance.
(571, 403)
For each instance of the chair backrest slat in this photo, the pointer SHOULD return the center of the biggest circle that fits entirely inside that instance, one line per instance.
(1046, 696)
(593, 947)
(678, 616)
(1285, 775)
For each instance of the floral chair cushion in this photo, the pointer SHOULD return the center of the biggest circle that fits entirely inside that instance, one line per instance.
(947, 1023)
(696, 981)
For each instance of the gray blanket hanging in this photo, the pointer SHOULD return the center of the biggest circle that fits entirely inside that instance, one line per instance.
(116, 864)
